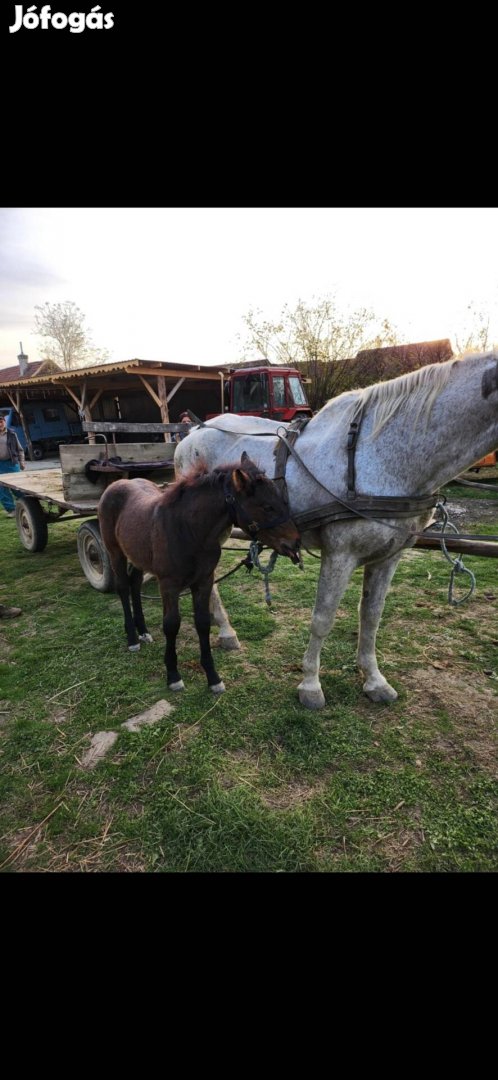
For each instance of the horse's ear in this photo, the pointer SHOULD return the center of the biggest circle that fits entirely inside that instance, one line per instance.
(241, 480)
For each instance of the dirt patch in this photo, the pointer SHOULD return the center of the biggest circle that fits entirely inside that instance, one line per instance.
(60, 715)
(396, 846)
(472, 512)
(77, 859)
(471, 706)
(289, 795)
(23, 845)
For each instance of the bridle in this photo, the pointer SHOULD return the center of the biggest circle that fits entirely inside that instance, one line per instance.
(239, 516)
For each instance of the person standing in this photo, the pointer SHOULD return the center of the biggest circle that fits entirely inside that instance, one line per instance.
(184, 419)
(11, 460)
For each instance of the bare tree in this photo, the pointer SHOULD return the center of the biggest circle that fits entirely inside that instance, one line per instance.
(68, 342)
(320, 341)
(473, 335)
(387, 362)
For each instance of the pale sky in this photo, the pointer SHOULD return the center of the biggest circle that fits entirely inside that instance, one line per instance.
(174, 284)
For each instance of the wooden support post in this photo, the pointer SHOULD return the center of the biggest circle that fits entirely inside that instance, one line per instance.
(163, 397)
(175, 388)
(94, 401)
(83, 408)
(151, 391)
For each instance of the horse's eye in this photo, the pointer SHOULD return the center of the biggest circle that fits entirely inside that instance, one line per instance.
(268, 508)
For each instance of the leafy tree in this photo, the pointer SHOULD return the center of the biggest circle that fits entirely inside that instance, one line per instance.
(67, 340)
(320, 341)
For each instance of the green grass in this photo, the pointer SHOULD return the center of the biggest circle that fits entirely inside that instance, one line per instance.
(251, 781)
(461, 491)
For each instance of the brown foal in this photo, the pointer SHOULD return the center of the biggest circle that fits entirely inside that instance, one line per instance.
(176, 535)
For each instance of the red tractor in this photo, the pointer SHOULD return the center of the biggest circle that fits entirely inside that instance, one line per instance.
(276, 392)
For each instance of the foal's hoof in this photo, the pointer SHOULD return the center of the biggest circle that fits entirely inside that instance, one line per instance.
(134, 648)
(145, 638)
(311, 699)
(175, 686)
(218, 688)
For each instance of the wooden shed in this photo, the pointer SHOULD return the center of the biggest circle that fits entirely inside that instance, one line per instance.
(136, 390)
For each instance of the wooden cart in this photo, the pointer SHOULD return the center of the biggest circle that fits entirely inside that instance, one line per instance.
(46, 496)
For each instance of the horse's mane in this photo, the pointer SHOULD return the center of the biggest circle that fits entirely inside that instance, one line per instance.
(420, 387)
(198, 476)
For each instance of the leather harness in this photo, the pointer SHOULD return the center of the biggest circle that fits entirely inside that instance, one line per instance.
(371, 507)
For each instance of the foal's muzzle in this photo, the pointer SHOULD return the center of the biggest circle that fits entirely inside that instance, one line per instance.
(292, 551)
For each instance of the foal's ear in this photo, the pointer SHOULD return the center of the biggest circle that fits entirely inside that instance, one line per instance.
(248, 463)
(241, 481)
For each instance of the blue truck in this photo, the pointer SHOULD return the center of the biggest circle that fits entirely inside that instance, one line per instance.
(49, 423)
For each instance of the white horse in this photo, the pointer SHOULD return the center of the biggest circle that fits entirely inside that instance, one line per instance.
(418, 432)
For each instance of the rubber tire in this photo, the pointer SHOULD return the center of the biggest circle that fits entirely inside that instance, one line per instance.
(93, 557)
(31, 524)
(37, 452)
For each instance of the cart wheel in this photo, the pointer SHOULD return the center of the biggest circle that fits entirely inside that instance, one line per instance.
(94, 558)
(31, 524)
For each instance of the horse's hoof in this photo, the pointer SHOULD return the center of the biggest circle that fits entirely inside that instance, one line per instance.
(176, 685)
(134, 648)
(146, 638)
(229, 642)
(383, 695)
(311, 699)
(218, 688)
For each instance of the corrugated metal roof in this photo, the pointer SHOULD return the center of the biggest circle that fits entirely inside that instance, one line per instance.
(162, 366)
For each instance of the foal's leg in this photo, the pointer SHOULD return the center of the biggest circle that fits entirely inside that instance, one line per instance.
(227, 638)
(200, 596)
(136, 578)
(171, 626)
(334, 576)
(376, 581)
(120, 568)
